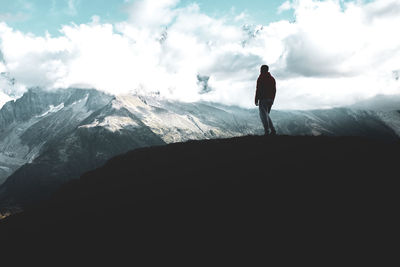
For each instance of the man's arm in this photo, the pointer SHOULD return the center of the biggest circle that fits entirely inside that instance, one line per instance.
(257, 92)
(274, 88)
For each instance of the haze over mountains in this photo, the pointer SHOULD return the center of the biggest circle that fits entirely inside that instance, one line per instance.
(49, 138)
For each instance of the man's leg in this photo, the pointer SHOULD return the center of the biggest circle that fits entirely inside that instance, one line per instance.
(263, 108)
(273, 131)
(270, 124)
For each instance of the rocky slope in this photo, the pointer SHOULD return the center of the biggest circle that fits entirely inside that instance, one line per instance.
(49, 138)
(29, 125)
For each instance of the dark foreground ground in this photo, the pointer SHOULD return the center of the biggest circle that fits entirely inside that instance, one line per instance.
(248, 201)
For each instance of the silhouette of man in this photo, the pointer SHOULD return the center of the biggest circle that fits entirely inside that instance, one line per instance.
(265, 96)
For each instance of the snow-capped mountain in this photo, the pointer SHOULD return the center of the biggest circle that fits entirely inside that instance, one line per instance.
(39, 118)
(48, 138)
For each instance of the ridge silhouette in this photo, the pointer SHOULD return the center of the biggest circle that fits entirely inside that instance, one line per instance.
(245, 200)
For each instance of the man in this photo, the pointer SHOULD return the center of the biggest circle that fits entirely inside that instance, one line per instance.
(265, 96)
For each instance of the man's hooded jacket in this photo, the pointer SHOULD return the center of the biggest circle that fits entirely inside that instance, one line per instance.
(266, 87)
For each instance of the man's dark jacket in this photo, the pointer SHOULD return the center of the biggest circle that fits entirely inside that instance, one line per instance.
(266, 87)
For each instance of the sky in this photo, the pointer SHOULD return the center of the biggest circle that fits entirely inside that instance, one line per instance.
(40, 16)
(323, 54)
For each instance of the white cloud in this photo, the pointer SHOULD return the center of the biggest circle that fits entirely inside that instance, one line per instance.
(241, 17)
(152, 13)
(17, 17)
(287, 5)
(332, 55)
(4, 98)
(72, 7)
(95, 19)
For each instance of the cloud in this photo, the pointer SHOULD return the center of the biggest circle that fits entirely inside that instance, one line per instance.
(241, 17)
(4, 98)
(382, 9)
(333, 54)
(152, 13)
(72, 7)
(17, 17)
(287, 5)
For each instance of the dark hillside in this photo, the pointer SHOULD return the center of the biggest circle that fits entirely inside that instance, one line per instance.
(242, 201)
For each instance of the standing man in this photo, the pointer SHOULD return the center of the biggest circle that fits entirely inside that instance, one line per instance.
(265, 96)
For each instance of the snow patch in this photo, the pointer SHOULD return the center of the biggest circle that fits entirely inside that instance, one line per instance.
(134, 103)
(113, 123)
(81, 100)
(53, 109)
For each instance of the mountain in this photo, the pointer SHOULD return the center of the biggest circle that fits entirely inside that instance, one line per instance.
(39, 118)
(49, 138)
(382, 125)
(379, 103)
(241, 201)
(51, 132)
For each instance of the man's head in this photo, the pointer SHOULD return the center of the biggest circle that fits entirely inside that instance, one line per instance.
(264, 69)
